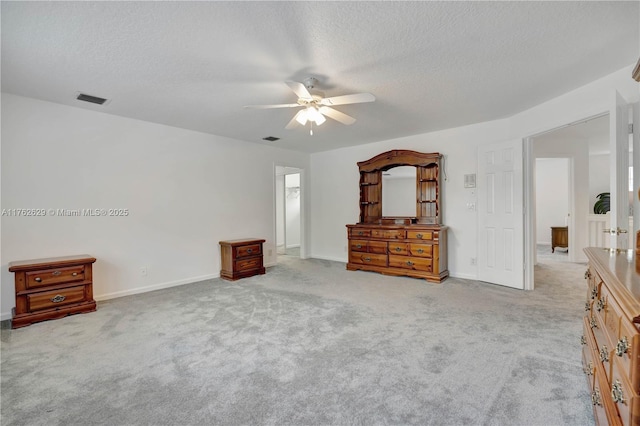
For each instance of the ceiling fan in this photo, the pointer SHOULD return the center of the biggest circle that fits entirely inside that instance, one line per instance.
(315, 106)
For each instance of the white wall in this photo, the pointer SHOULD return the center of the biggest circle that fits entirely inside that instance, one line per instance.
(598, 177)
(184, 190)
(552, 196)
(280, 217)
(335, 201)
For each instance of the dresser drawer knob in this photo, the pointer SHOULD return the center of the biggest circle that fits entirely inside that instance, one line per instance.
(58, 298)
(367, 259)
(419, 236)
(594, 293)
(604, 354)
(587, 274)
(588, 370)
(583, 340)
(249, 251)
(616, 392)
(359, 246)
(398, 249)
(622, 346)
(420, 251)
(595, 398)
(593, 323)
(587, 306)
(75, 274)
(601, 304)
(360, 233)
(409, 263)
(38, 279)
(56, 273)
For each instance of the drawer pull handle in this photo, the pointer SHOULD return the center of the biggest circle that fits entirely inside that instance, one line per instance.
(604, 354)
(419, 236)
(616, 392)
(622, 346)
(58, 298)
(75, 274)
(593, 323)
(56, 273)
(38, 279)
(587, 274)
(409, 263)
(587, 306)
(398, 249)
(588, 370)
(358, 245)
(360, 233)
(583, 340)
(595, 398)
(367, 259)
(594, 293)
(601, 304)
(420, 251)
(249, 251)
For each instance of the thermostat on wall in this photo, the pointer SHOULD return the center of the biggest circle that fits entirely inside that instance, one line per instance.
(470, 181)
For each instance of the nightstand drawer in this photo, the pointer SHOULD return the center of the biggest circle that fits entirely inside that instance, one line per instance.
(47, 277)
(55, 298)
(248, 264)
(249, 250)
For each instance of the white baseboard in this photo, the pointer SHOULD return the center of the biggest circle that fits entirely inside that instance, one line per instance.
(5, 316)
(463, 276)
(154, 287)
(334, 259)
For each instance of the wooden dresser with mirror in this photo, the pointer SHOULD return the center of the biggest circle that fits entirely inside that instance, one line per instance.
(410, 242)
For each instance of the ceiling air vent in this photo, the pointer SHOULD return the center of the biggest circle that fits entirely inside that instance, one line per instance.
(92, 99)
(271, 139)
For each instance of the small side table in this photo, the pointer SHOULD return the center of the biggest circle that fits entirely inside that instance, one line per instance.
(559, 237)
(241, 258)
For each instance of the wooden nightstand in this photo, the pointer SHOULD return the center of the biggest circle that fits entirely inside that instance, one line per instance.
(241, 259)
(559, 237)
(52, 288)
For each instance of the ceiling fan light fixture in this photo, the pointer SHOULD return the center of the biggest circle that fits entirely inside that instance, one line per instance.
(302, 117)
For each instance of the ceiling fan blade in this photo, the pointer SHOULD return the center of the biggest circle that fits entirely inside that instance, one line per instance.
(299, 89)
(293, 123)
(272, 106)
(337, 115)
(355, 98)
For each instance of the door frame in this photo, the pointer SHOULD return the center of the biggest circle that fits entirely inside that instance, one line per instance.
(530, 195)
(303, 209)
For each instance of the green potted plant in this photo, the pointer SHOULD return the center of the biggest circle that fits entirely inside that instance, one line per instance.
(602, 204)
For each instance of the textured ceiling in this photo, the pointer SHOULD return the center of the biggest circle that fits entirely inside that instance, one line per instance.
(431, 65)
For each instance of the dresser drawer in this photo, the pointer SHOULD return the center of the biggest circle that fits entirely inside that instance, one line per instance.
(379, 247)
(421, 250)
(626, 400)
(398, 248)
(602, 349)
(368, 258)
(627, 352)
(55, 298)
(415, 263)
(248, 250)
(360, 232)
(358, 245)
(604, 409)
(248, 264)
(420, 235)
(47, 277)
(588, 363)
(388, 233)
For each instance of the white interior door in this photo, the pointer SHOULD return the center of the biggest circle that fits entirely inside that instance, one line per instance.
(500, 214)
(619, 171)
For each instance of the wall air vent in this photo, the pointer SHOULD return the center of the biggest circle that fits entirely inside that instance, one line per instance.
(271, 139)
(92, 99)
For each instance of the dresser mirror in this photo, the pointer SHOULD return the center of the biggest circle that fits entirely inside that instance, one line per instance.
(399, 192)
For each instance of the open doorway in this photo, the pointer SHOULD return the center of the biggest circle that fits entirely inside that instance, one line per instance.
(571, 169)
(288, 211)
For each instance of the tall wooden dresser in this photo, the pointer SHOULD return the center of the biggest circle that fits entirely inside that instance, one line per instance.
(413, 246)
(611, 338)
(52, 288)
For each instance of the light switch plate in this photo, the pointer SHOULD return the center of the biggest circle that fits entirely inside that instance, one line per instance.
(470, 181)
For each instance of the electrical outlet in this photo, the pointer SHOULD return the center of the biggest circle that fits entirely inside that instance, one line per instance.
(473, 261)
(143, 271)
